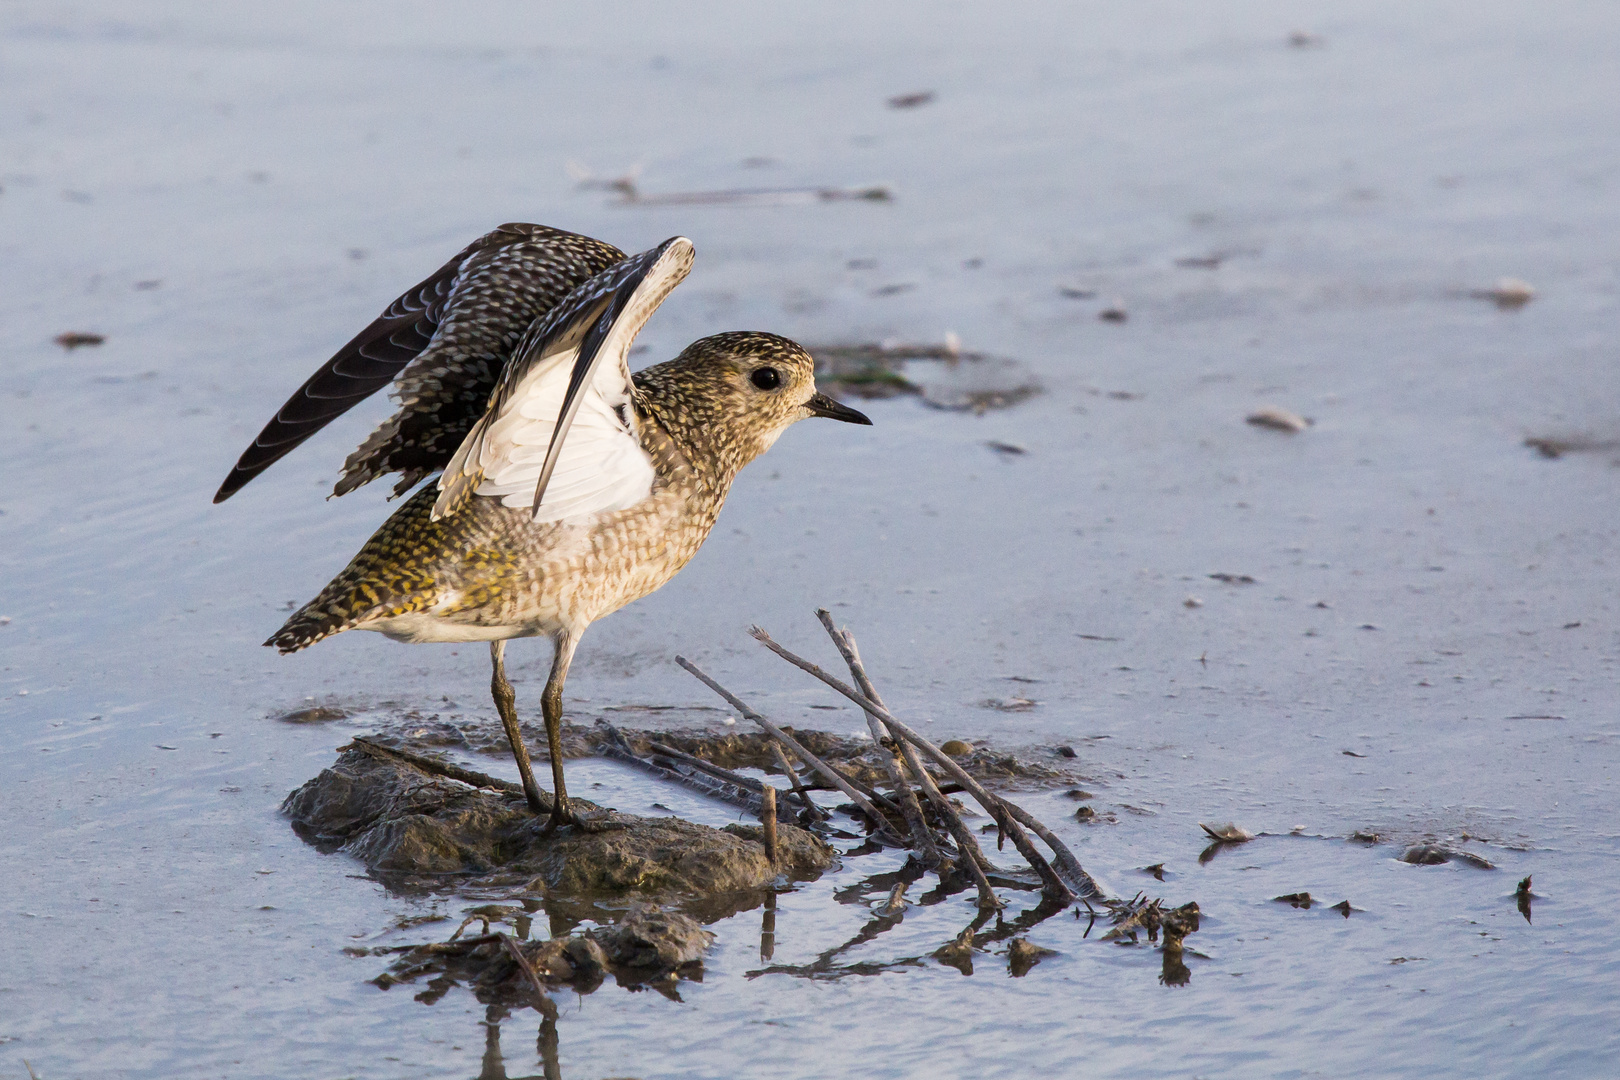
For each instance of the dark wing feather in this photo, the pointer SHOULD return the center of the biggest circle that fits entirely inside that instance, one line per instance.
(591, 353)
(447, 340)
(594, 325)
(362, 367)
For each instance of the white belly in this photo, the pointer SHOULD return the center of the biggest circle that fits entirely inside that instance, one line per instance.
(419, 627)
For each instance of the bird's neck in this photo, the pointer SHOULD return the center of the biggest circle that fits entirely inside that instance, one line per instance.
(696, 432)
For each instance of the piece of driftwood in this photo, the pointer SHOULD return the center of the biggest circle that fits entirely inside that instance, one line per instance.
(922, 836)
(880, 824)
(748, 783)
(731, 791)
(438, 768)
(976, 865)
(767, 820)
(966, 844)
(1063, 861)
(1052, 885)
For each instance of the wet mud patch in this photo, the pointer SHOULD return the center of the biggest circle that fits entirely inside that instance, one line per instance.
(941, 376)
(419, 829)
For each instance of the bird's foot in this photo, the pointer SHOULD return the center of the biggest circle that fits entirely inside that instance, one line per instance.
(568, 812)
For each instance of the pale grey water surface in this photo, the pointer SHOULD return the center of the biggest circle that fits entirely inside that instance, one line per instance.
(281, 171)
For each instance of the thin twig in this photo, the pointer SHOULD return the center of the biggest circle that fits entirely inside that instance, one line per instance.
(453, 945)
(618, 748)
(717, 771)
(546, 1006)
(977, 864)
(1053, 885)
(879, 823)
(438, 768)
(922, 836)
(868, 790)
(815, 811)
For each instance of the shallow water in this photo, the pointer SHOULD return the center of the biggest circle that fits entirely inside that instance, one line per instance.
(282, 173)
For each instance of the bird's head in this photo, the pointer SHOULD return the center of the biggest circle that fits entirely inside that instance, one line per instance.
(742, 389)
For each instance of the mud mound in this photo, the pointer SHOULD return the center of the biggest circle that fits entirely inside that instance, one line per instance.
(414, 827)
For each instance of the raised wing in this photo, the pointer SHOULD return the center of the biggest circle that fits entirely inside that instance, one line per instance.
(451, 336)
(560, 435)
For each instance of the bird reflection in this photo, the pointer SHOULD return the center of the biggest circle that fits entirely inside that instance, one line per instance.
(494, 1066)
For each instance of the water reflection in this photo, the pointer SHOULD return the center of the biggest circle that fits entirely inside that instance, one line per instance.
(957, 952)
(1215, 849)
(1176, 972)
(767, 929)
(494, 1064)
(1523, 896)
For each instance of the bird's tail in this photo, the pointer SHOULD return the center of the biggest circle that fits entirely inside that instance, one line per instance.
(388, 577)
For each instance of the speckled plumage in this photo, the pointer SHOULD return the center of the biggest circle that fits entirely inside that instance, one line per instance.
(489, 572)
(445, 341)
(569, 487)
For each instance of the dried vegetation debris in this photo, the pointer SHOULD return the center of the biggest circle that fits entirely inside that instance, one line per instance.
(942, 376)
(425, 823)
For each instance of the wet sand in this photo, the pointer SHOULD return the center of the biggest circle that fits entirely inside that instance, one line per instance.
(1427, 650)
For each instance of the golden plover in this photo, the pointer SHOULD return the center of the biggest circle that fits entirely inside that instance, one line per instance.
(568, 486)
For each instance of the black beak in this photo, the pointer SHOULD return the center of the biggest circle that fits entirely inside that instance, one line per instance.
(822, 405)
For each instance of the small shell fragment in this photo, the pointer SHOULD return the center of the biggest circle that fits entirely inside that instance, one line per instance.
(1278, 419)
(1226, 832)
(1508, 293)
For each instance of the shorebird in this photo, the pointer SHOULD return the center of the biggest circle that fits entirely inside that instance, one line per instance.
(567, 485)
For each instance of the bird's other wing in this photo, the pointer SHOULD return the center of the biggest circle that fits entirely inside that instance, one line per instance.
(560, 434)
(446, 340)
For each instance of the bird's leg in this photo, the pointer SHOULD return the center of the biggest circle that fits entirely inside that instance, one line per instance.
(551, 709)
(506, 705)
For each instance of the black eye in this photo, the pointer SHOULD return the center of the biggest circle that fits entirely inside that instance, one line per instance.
(766, 378)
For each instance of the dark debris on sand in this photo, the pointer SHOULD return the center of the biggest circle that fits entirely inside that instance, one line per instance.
(956, 380)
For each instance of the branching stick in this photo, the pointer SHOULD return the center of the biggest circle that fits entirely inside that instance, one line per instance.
(1052, 885)
(879, 823)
